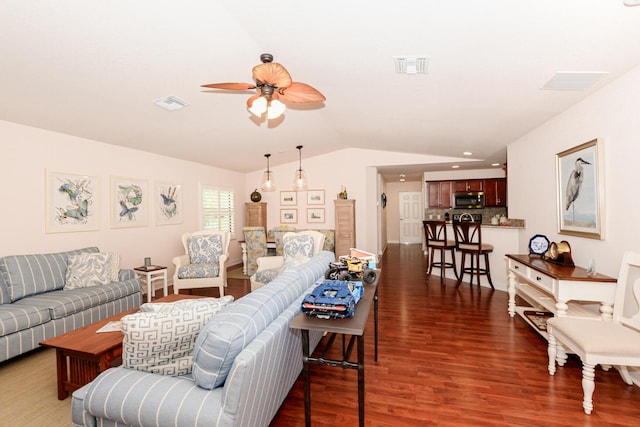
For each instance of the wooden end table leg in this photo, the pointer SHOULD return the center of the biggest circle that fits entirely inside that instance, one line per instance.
(307, 377)
(361, 380)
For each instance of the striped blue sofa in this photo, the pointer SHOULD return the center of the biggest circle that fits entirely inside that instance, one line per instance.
(35, 307)
(250, 340)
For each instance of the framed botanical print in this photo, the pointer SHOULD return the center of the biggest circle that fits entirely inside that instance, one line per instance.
(168, 207)
(71, 202)
(130, 202)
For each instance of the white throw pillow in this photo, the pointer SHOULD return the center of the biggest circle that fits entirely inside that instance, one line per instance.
(87, 269)
(161, 340)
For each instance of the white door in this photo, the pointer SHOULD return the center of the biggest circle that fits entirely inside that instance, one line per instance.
(410, 216)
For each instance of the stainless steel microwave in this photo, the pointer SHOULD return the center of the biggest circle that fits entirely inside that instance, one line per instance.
(468, 200)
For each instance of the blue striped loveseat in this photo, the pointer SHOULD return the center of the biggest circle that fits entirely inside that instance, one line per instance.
(245, 361)
(35, 307)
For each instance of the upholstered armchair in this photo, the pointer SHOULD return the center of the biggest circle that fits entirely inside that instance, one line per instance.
(256, 240)
(204, 265)
(297, 248)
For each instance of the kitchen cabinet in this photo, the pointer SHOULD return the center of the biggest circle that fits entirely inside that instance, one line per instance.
(256, 215)
(495, 192)
(345, 234)
(467, 185)
(439, 194)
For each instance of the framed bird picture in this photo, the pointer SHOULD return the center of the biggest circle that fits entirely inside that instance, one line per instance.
(580, 191)
(168, 203)
(130, 202)
(71, 202)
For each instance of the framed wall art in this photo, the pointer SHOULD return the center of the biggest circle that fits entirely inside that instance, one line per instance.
(315, 214)
(315, 197)
(289, 216)
(580, 191)
(288, 198)
(168, 206)
(130, 202)
(71, 202)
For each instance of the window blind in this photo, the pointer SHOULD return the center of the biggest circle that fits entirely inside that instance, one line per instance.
(217, 209)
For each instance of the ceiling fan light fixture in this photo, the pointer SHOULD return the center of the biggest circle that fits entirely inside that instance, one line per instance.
(275, 109)
(258, 107)
(300, 182)
(268, 183)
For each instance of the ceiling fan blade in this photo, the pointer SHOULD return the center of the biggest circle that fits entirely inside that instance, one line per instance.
(273, 74)
(231, 86)
(301, 93)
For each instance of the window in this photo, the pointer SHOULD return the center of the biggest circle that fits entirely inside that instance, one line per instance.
(216, 207)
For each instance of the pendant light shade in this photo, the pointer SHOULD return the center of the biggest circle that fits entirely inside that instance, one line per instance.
(300, 178)
(268, 183)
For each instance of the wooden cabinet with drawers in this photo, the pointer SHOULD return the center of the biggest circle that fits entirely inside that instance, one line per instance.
(256, 215)
(345, 211)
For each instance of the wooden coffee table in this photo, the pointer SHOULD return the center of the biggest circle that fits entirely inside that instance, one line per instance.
(83, 353)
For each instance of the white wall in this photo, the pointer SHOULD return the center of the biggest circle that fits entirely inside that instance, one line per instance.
(28, 152)
(611, 115)
(356, 170)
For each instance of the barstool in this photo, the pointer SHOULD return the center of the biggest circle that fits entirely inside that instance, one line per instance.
(435, 233)
(468, 236)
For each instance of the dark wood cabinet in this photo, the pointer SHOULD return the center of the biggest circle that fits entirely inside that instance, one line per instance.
(439, 194)
(495, 192)
(467, 185)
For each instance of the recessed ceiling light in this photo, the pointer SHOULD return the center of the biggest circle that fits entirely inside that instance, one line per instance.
(467, 153)
(495, 164)
(455, 166)
(171, 103)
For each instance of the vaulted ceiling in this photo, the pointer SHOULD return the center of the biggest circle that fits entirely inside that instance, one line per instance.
(94, 68)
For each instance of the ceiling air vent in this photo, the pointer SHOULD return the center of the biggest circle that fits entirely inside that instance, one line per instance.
(171, 103)
(411, 64)
(578, 80)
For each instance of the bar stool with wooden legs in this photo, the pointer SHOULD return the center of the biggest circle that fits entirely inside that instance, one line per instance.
(468, 236)
(435, 233)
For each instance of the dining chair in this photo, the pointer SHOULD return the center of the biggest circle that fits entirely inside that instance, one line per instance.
(256, 240)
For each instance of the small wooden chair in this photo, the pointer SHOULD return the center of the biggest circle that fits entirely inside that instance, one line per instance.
(435, 233)
(468, 236)
(601, 342)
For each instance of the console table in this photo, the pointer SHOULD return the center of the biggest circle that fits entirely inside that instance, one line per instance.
(561, 290)
(353, 326)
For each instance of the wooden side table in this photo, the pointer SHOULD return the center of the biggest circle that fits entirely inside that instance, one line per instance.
(151, 274)
(353, 326)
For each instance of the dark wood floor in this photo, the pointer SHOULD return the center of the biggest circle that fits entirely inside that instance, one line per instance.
(453, 357)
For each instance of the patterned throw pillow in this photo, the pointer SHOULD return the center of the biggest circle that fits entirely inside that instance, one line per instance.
(161, 340)
(298, 245)
(204, 249)
(87, 269)
(114, 266)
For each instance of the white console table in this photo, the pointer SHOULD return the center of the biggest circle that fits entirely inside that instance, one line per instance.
(561, 290)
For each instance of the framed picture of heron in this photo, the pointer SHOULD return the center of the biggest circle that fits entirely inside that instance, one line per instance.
(581, 191)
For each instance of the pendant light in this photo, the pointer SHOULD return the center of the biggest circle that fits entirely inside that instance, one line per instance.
(300, 178)
(268, 183)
